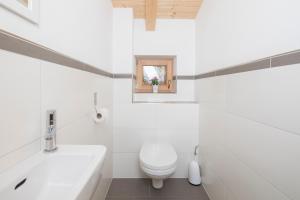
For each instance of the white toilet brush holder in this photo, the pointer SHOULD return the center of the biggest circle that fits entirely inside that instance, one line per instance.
(194, 170)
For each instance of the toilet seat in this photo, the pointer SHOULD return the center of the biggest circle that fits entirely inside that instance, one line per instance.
(158, 157)
(159, 173)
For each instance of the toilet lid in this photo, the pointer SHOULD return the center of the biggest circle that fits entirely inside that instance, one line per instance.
(158, 156)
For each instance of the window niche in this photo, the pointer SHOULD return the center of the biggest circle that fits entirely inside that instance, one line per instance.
(155, 70)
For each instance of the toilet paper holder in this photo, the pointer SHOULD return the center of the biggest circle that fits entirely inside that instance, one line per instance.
(96, 104)
(95, 99)
(196, 150)
(100, 113)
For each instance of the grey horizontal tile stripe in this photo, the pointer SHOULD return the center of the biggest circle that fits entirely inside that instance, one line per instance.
(185, 77)
(286, 59)
(16, 44)
(165, 102)
(123, 76)
(256, 65)
(206, 75)
(180, 77)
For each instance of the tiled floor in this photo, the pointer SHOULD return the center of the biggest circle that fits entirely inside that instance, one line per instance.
(141, 189)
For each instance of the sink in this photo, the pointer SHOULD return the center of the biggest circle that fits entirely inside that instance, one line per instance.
(70, 173)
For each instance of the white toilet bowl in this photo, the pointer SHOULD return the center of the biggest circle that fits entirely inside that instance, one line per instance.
(158, 161)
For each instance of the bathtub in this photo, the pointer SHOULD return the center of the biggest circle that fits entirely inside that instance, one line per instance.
(70, 173)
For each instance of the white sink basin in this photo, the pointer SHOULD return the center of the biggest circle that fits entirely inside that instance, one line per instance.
(70, 173)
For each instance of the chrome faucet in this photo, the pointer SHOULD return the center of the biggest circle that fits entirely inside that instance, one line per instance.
(50, 137)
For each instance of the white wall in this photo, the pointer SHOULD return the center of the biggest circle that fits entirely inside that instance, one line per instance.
(248, 129)
(249, 134)
(79, 29)
(230, 32)
(134, 123)
(29, 87)
(20, 86)
(123, 40)
(171, 37)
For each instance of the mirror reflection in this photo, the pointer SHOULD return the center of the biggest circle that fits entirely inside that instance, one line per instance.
(150, 72)
(24, 2)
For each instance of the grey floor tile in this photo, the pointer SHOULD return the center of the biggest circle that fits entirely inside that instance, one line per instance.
(167, 198)
(141, 189)
(129, 188)
(180, 189)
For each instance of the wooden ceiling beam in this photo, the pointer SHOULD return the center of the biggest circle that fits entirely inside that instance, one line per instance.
(151, 14)
(166, 9)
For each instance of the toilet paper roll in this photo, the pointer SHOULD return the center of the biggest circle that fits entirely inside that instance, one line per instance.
(100, 115)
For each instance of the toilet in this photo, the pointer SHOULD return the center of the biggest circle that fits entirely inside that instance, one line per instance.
(158, 161)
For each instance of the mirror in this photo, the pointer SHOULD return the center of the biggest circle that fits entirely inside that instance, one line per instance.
(150, 72)
(24, 2)
(27, 9)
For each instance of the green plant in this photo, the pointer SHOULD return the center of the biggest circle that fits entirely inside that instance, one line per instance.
(154, 81)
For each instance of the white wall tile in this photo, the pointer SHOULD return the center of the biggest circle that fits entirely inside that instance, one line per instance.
(245, 183)
(177, 116)
(268, 96)
(242, 134)
(182, 139)
(137, 123)
(67, 90)
(123, 40)
(104, 87)
(213, 185)
(268, 151)
(171, 37)
(29, 87)
(135, 115)
(20, 104)
(122, 91)
(20, 154)
(211, 90)
(126, 165)
(80, 131)
(182, 165)
(185, 92)
(130, 140)
(238, 177)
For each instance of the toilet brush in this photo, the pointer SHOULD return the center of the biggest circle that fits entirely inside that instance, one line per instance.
(194, 170)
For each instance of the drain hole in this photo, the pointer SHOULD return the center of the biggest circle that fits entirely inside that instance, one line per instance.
(20, 183)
